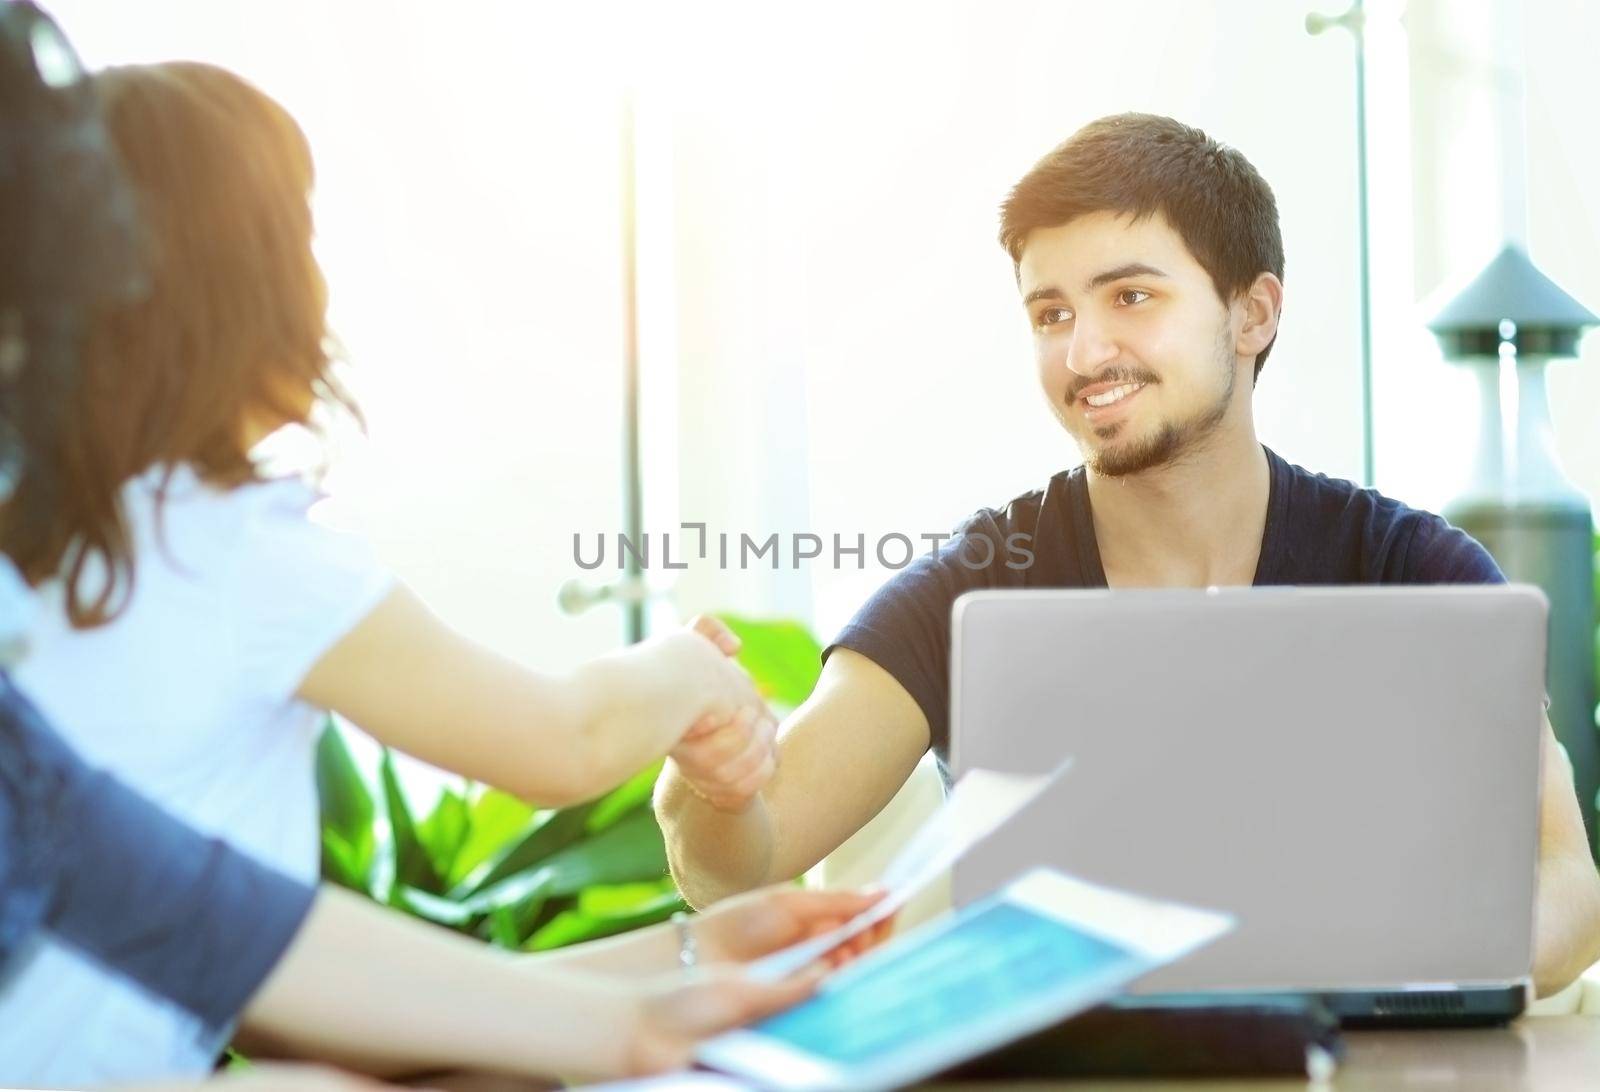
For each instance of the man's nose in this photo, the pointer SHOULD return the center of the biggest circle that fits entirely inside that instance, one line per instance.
(1090, 350)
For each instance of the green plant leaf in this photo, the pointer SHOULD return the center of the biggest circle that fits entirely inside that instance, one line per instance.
(526, 916)
(629, 852)
(555, 831)
(503, 928)
(495, 820)
(782, 657)
(434, 908)
(444, 830)
(342, 792)
(412, 866)
(623, 899)
(629, 796)
(487, 864)
(343, 864)
(578, 925)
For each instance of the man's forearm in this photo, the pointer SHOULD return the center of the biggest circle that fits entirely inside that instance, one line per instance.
(1567, 926)
(1567, 917)
(713, 853)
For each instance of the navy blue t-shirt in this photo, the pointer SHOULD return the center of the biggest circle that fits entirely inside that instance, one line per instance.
(1319, 530)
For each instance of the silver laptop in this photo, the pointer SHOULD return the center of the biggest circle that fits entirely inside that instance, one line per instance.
(1353, 772)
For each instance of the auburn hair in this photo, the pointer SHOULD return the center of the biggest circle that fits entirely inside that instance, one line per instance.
(232, 330)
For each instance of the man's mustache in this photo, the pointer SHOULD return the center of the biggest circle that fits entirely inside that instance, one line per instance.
(1110, 375)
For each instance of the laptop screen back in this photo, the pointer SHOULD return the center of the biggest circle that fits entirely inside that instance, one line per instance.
(1353, 772)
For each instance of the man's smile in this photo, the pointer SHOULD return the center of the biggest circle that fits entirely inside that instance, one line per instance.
(1101, 400)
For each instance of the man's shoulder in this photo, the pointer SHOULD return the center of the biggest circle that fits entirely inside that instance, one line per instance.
(905, 626)
(1349, 533)
(1024, 512)
(1321, 498)
(1314, 494)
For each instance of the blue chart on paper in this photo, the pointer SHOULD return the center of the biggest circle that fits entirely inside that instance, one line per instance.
(1000, 957)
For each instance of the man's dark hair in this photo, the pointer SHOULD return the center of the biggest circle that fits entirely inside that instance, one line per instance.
(1141, 164)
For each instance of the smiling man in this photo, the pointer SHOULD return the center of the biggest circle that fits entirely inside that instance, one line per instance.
(1150, 263)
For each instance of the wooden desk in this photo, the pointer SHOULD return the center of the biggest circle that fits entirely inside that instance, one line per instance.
(1544, 1053)
(1541, 1054)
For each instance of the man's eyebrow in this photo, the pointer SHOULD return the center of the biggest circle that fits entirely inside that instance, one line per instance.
(1099, 280)
(1122, 272)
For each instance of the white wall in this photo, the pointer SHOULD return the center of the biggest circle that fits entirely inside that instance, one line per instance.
(469, 221)
(884, 140)
(831, 339)
(1563, 139)
(866, 347)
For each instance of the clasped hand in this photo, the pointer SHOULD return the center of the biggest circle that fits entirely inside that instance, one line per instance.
(729, 754)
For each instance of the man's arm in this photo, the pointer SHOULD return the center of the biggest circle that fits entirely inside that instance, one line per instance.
(1567, 915)
(841, 758)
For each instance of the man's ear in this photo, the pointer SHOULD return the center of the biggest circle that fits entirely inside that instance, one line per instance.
(1262, 303)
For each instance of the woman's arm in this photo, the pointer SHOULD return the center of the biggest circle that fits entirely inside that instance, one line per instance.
(737, 930)
(267, 1078)
(412, 682)
(370, 989)
(338, 978)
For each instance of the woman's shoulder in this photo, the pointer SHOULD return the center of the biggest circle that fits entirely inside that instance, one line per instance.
(203, 531)
(170, 502)
(179, 486)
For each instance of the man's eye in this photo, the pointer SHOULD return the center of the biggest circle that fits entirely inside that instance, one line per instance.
(1054, 316)
(1123, 297)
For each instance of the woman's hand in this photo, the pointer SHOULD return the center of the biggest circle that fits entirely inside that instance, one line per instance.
(729, 754)
(672, 1015)
(747, 927)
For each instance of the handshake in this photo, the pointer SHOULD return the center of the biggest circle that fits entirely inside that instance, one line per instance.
(727, 753)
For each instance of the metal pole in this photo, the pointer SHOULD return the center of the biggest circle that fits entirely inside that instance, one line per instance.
(1354, 20)
(1368, 461)
(632, 490)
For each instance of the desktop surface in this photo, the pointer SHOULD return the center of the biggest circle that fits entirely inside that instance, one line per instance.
(1543, 1053)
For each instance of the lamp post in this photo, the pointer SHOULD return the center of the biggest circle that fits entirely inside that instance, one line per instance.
(1520, 504)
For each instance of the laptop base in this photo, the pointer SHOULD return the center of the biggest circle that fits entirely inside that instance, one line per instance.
(1461, 1007)
(1452, 1007)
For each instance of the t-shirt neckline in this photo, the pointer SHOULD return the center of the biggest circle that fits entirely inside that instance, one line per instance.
(1092, 569)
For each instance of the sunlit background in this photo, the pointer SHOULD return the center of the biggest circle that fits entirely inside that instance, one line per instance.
(829, 336)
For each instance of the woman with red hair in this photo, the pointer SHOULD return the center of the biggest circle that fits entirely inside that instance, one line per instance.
(195, 625)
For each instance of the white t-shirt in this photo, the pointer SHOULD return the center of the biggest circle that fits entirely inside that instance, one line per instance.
(17, 609)
(188, 697)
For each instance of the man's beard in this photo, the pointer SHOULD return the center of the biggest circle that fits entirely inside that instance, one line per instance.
(1173, 438)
